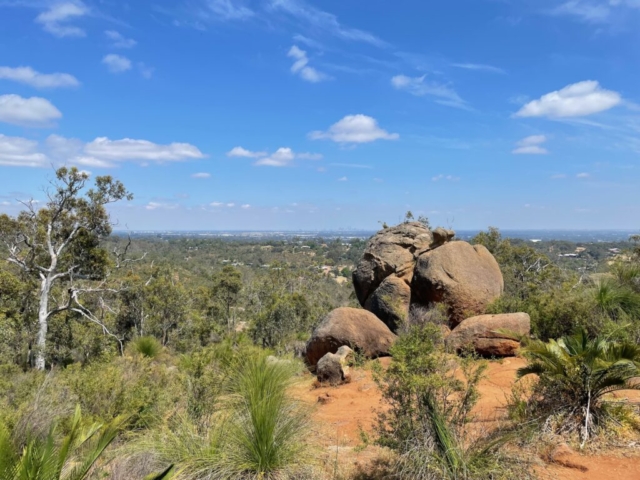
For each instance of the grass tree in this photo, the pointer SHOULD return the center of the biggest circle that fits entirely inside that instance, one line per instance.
(576, 374)
(61, 243)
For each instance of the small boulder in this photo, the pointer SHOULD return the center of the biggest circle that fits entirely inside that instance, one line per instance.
(465, 277)
(333, 368)
(482, 334)
(354, 327)
(390, 302)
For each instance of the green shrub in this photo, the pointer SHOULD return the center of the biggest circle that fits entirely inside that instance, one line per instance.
(576, 374)
(148, 347)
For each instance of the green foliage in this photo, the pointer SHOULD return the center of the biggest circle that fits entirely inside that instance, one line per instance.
(257, 432)
(576, 374)
(70, 457)
(428, 409)
(148, 347)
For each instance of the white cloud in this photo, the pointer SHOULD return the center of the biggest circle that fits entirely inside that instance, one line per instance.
(281, 158)
(118, 40)
(29, 76)
(479, 67)
(242, 152)
(417, 86)
(302, 68)
(354, 129)
(231, 205)
(343, 179)
(216, 204)
(246, 206)
(116, 63)
(576, 100)
(20, 152)
(583, 175)
(531, 145)
(143, 150)
(324, 21)
(201, 175)
(449, 178)
(161, 205)
(229, 10)
(34, 111)
(56, 19)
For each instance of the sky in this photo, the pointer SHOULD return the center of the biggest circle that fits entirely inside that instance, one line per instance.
(300, 114)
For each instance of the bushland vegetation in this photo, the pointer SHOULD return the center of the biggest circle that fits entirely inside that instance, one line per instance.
(123, 358)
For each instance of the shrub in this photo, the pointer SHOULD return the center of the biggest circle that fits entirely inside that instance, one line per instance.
(576, 373)
(148, 347)
(428, 408)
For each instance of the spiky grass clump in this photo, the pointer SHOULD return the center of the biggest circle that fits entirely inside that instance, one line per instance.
(257, 432)
(266, 426)
(148, 347)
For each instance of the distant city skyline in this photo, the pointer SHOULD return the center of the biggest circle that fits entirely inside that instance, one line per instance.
(299, 114)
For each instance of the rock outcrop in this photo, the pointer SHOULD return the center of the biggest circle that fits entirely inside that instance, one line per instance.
(466, 278)
(390, 301)
(392, 251)
(490, 335)
(359, 329)
(333, 368)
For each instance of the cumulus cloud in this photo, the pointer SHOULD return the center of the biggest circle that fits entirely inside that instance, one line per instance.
(583, 175)
(343, 179)
(20, 152)
(56, 18)
(161, 205)
(118, 40)
(302, 68)
(141, 150)
(531, 146)
(116, 63)
(28, 112)
(282, 157)
(201, 175)
(575, 100)
(420, 87)
(100, 153)
(242, 152)
(246, 206)
(354, 129)
(29, 76)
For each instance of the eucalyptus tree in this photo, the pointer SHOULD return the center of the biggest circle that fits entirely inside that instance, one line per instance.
(61, 243)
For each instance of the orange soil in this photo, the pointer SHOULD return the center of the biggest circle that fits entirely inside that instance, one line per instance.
(341, 413)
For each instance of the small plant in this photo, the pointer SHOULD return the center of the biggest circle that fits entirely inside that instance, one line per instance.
(576, 373)
(71, 457)
(148, 347)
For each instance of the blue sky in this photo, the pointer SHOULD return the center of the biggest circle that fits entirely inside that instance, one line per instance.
(286, 114)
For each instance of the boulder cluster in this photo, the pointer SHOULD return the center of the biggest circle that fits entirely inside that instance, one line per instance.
(410, 266)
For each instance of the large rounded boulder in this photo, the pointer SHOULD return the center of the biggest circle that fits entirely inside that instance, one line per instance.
(466, 278)
(391, 251)
(490, 335)
(390, 301)
(358, 329)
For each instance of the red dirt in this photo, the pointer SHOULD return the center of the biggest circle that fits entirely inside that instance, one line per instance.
(342, 412)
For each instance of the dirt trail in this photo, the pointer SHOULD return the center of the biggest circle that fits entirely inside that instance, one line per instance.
(342, 412)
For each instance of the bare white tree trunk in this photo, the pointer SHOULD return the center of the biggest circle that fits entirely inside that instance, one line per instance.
(43, 323)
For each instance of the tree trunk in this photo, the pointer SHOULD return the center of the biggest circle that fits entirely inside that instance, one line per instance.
(43, 319)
